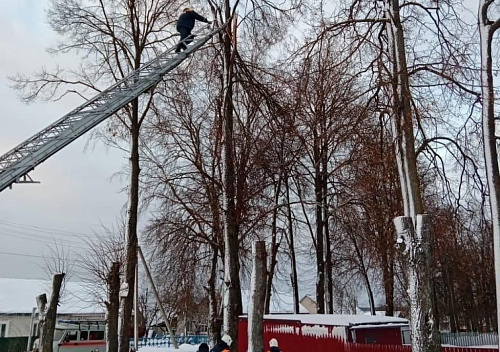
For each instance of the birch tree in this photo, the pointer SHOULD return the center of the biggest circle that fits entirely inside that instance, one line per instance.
(487, 29)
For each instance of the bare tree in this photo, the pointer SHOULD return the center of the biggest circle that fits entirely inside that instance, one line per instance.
(115, 39)
(487, 29)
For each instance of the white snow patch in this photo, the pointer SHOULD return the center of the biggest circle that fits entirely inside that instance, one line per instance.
(371, 326)
(316, 330)
(282, 329)
(339, 331)
(336, 319)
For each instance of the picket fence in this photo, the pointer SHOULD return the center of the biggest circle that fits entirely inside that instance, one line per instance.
(469, 338)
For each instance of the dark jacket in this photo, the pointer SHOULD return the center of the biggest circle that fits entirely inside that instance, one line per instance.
(203, 347)
(187, 19)
(274, 349)
(220, 347)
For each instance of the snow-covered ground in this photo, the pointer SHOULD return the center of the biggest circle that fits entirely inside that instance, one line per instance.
(182, 348)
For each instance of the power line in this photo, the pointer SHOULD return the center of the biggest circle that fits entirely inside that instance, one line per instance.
(43, 229)
(26, 255)
(69, 260)
(38, 238)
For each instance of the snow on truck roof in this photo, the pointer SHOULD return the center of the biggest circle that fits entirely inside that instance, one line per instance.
(339, 319)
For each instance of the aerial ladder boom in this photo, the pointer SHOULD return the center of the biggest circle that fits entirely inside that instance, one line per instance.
(18, 162)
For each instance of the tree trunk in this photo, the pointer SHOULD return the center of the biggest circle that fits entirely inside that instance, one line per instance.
(257, 297)
(214, 324)
(113, 308)
(131, 241)
(419, 241)
(326, 234)
(232, 296)
(49, 316)
(41, 302)
(369, 291)
(291, 245)
(388, 280)
(274, 248)
(320, 262)
(416, 227)
(487, 28)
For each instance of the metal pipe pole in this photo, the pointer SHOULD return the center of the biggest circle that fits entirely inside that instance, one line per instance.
(157, 296)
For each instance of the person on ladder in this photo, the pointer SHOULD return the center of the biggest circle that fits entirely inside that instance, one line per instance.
(185, 25)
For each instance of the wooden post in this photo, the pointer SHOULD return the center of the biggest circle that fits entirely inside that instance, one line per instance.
(157, 296)
(257, 298)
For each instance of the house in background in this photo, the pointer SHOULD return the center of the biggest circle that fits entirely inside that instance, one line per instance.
(18, 298)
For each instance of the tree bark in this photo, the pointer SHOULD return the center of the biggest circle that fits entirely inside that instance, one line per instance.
(419, 241)
(232, 296)
(131, 241)
(320, 262)
(214, 323)
(50, 316)
(291, 245)
(41, 302)
(424, 331)
(113, 308)
(328, 250)
(257, 297)
(487, 29)
(274, 248)
(388, 280)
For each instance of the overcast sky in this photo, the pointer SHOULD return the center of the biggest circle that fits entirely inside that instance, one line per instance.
(76, 194)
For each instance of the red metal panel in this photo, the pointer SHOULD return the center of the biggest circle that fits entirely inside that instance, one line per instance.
(381, 336)
(242, 334)
(293, 336)
(287, 332)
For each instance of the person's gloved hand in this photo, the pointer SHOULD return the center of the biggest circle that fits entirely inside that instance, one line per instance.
(209, 22)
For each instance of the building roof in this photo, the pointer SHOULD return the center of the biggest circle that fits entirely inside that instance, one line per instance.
(18, 296)
(337, 319)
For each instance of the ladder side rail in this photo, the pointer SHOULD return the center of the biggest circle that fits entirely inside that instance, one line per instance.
(78, 127)
(28, 162)
(117, 87)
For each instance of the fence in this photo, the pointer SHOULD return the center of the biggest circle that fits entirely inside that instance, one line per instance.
(13, 344)
(357, 347)
(165, 341)
(469, 338)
